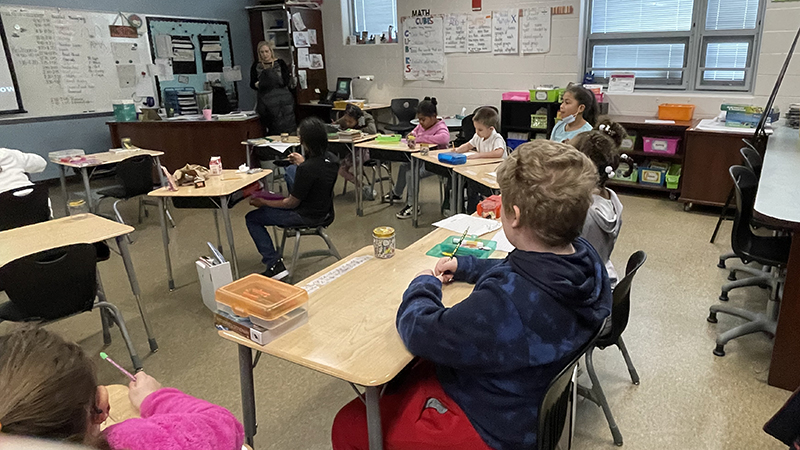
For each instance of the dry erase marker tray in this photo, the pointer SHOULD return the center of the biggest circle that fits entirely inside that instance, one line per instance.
(261, 297)
(472, 246)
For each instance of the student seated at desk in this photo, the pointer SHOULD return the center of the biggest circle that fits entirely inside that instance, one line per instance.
(430, 130)
(578, 114)
(15, 167)
(356, 119)
(487, 142)
(50, 391)
(310, 183)
(604, 219)
(487, 361)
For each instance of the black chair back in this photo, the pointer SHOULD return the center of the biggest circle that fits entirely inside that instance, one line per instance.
(621, 307)
(746, 185)
(752, 159)
(405, 109)
(467, 131)
(135, 175)
(52, 284)
(555, 404)
(24, 206)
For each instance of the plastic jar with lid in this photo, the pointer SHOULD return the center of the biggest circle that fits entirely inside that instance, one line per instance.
(383, 241)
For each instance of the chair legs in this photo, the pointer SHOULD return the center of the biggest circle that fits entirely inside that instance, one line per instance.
(109, 314)
(120, 220)
(595, 395)
(628, 362)
(298, 233)
(758, 280)
(756, 322)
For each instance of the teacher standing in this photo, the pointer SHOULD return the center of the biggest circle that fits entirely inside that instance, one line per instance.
(271, 77)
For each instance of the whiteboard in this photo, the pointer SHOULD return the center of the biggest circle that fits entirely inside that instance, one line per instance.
(480, 33)
(535, 30)
(456, 28)
(67, 62)
(505, 26)
(423, 48)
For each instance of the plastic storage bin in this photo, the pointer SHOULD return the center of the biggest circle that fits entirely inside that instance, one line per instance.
(539, 121)
(652, 176)
(675, 111)
(388, 138)
(514, 143)
(661, 145)
(452, 158)
(517, 96)
(124, 111)
(258, 296)
(545, 95)
(673, 176)
(629, 142)
(623, 167)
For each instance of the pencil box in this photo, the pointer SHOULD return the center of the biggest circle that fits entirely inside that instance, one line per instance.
(453, 158)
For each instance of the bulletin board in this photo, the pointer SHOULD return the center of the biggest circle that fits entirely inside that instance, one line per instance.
(200, 50)
(67, 62)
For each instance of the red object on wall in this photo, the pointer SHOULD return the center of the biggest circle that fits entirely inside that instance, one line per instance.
(476, 5)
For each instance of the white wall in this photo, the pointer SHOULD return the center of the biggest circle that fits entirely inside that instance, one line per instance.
(473, 80)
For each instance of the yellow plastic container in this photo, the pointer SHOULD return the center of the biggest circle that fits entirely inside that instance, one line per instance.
(261, 297)
(675, 111)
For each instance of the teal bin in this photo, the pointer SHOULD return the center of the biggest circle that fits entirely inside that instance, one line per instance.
(124, 111)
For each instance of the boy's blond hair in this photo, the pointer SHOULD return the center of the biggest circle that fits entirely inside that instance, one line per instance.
(552, 185)
(487, 116)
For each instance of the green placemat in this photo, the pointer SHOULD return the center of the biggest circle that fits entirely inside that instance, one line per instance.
(449, 245)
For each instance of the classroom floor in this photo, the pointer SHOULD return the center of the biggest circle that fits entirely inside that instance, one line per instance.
(688, 398)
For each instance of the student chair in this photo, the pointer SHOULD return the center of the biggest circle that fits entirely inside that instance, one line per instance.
(555, 405)
(404, 109)
(467, 131)
(753, 160)
(135, 178)
(378, 177)
(320, 229)
(772, 251)
(59, 283)
(24, 206)
(620, 312)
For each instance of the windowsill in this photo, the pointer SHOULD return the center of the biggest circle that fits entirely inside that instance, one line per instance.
(368, 45)
(670, 93)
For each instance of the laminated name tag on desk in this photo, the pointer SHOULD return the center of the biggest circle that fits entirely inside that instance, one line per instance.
(452, 158)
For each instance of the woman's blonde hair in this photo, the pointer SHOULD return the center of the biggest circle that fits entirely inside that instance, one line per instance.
(49, 387)
(265, 43)
(551, 184)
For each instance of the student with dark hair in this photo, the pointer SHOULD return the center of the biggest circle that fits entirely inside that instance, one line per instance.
(431, 130)
(310, 183)
(357, 119)
(578, 114)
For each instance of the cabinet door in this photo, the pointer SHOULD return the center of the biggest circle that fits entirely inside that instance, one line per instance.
(709, 155)
(316, 78)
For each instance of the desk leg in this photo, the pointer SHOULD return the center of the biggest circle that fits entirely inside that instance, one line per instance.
(248, 393)
(415, 198)
(358, 170)
(374, 430)
(161, 177)
(248, 150)
(85, 175)
(62, 175)
(162, 212)
(226, 216)
(137, 293)
(457, 194)
(786, 347)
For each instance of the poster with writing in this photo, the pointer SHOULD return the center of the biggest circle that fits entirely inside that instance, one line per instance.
(423, 48)
(456, 27)
(480, 33)
(535, 34)
(505, 28)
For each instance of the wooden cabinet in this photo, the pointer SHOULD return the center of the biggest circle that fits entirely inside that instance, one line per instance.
(709, 155)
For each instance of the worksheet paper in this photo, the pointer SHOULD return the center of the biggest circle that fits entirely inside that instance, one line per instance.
(477, 226)
(502, 242)
(303, 61)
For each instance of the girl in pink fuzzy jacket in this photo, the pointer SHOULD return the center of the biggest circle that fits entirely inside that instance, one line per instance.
(50, 391)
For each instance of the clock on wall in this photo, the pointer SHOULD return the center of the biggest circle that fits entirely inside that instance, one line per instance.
(135, 20)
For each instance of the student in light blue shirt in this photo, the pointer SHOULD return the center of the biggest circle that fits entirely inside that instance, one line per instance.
(578, 113)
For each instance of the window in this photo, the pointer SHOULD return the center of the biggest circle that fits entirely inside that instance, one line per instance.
(675, 44)
(373, 16)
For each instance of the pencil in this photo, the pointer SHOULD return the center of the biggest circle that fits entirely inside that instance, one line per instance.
(121, 369)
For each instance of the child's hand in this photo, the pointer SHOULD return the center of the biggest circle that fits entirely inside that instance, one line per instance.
(141, 388)
(296, 158)
(429, 272)
(257, 202)
(446, 268)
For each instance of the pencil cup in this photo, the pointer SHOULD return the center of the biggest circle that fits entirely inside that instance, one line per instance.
(207, 114)
(383, 241)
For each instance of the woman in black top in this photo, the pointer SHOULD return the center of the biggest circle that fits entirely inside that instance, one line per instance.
(271, 77)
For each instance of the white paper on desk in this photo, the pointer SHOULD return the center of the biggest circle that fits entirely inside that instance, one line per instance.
(492, 174)
(303, 61)
(312, 37)
(660, 122)
(468, 154)
(478, 226)
(502, 242)
(280, 146)
(232, 73)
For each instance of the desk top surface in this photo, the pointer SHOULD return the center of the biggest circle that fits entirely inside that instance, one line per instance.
(778, 196)
(79, 229)
(432, 157)
(485, 174)
(98, 159)
(229, 182)
(363, 138)
(389, 146)
(451, 122)
(370, 107)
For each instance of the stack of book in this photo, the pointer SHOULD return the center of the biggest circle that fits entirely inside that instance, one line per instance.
(349, 135)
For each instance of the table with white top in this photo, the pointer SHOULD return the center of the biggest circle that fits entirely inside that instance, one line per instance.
(778, 205)
(98, 159)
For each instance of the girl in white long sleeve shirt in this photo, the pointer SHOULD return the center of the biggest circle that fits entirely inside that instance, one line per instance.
(15, 167)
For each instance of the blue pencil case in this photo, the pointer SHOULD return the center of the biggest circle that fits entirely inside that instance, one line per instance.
(453, 158)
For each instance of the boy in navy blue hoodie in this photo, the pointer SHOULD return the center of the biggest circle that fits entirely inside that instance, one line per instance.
(487, 361)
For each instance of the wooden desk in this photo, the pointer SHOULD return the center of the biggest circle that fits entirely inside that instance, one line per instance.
(218, 186)
(485, 175)
(432, 158)
(352, 338)
(358, 166)
(78, 229)
(94, 160)
(325, 111)
(190, 141)
(777, 205)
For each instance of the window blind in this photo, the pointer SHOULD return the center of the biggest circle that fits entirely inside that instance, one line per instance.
(374, 16)
(636, 16)
(731, 14)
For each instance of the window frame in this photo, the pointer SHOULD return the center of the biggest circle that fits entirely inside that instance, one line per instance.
(351, 14)
(696, 43)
